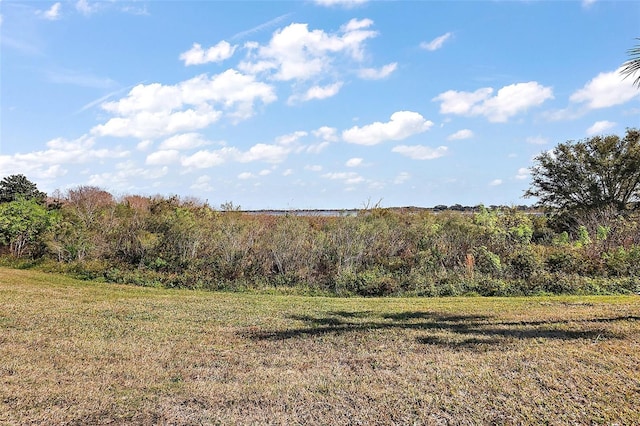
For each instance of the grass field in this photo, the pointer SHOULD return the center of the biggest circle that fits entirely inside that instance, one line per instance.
(75, 352)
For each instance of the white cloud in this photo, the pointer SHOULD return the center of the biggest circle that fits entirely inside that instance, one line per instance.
(155, 110)
(509, 101)
(354, 162)
(202, 183)
(599, 127)
(314, 168)
(264, 172)
(436, 43)
(50, 163)
(345, 3)
(588, 3)
(401, 125)
(84, 7)
(329, 134)
(204, 159)
(144, 145)
(523, 173)
(537, 140)
(53, 13)
(125, 174)
(495, 182)
(162, 157)
(287, 172)
(461, 103)
(461, 134)
(377, 74)
(317, 92)
(605, 90)
(291, 138)
(198, 56)
(264, 152)
(184, 141)
(402, 178)
(349, 178)
(296, 53)
(420, 152)
(245, 175)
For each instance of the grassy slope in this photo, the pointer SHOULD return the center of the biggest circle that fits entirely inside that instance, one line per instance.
(86, 353)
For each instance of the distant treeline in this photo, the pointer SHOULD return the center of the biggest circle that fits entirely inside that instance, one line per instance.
(173, 242)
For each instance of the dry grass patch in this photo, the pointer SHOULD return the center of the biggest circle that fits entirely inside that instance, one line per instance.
(84, 353)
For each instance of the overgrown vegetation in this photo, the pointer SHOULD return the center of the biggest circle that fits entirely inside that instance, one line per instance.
(587, 241)
(78, 353)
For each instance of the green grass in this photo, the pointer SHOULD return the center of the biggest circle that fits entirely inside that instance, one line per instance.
(74, 352)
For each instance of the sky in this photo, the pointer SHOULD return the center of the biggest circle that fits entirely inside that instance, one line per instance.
(325, 104)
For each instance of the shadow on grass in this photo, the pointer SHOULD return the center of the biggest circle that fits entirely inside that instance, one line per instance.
(458, 331)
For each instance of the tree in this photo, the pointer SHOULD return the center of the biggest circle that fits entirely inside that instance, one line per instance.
(15, 187)
(22, 223)
(632, 66)
(596, 174)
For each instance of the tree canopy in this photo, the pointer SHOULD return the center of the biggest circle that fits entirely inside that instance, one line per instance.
(632, 66)
(16, 187)
(601, 172)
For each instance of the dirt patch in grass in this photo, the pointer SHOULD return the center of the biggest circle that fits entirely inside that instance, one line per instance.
(84, 353)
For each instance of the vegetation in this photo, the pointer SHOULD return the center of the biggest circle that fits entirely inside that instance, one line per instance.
(589, 244)
(73, 352)
(597, 174)
(632, 66)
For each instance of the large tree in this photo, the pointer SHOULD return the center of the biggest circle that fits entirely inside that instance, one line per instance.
(16, 187)
(595, 174)
(632, 66)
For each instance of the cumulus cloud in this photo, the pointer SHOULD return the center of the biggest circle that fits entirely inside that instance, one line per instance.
(350, 178)
(401, 125)
(605, 90)
(154, 110)
(354, 162)
(329, 134)
(495, 182)
(163, 157)
(599, 127)
(436, 43)
(184, 141)
(49, 163)
(508, 101)
(420, 152)
(125, 173)
(86, 8)
(523, 173)
(377, 73)
(202, 183)
(245, 175)
(297, 53)
(461, 134)
(317, 92)
(198, 56)
(204, 159)
(212, 158)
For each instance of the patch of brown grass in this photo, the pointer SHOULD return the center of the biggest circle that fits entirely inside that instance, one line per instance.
(84, 353)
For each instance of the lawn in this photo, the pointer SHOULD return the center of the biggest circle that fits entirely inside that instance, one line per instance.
(74, 352)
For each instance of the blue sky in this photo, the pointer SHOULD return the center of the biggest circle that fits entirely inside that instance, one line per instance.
(308, 104)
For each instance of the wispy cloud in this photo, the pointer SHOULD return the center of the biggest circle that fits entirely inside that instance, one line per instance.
(51, 14)
(266, 25)
(436, 43)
